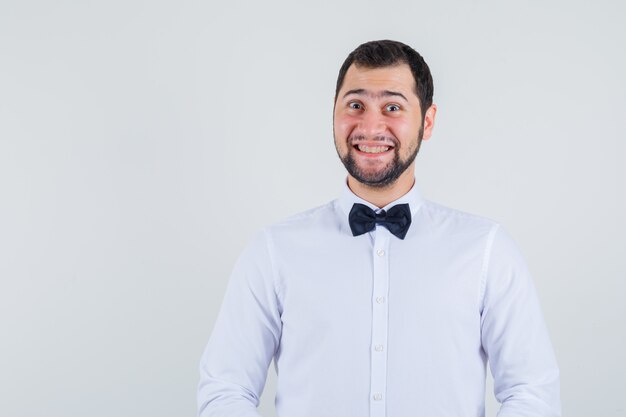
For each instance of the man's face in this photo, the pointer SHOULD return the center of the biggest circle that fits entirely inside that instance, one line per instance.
(377, 124)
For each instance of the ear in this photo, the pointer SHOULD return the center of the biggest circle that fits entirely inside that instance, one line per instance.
(429, 121)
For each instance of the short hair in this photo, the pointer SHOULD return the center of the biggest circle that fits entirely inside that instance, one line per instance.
(387, 53)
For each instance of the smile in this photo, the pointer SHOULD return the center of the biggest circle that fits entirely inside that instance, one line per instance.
(372, 149)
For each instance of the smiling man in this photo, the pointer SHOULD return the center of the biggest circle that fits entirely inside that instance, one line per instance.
(381, 303)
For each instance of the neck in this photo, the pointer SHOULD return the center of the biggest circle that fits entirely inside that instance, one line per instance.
(380, 197)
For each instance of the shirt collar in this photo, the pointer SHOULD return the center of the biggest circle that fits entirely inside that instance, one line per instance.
(347, 199)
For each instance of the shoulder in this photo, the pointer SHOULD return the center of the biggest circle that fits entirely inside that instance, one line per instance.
(313, 219)
(446, 219)
(495, 239)
(289, 232)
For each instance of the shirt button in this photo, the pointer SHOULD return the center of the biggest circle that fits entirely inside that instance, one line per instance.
(380, 252)
(378, 348)
(380, 300)
(378, 396)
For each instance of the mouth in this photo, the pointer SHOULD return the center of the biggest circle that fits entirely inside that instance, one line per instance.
(372, 150)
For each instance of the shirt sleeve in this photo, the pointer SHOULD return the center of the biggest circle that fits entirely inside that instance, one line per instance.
(515, 337)
(246, 335)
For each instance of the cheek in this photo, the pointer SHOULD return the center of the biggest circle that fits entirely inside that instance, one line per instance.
(343, 125)
(404, 130)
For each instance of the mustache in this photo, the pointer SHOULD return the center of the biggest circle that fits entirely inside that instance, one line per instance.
(355, 139)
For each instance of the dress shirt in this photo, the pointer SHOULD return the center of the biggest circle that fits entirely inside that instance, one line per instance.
(375, 326)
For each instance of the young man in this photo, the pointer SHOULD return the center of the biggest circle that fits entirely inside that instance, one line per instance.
(381, 303)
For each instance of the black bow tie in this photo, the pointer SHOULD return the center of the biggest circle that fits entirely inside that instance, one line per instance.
(363, 219)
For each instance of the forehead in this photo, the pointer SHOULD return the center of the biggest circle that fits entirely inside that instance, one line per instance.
(394, 78)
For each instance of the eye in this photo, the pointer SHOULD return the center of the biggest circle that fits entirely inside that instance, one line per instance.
(392, 107)
(355, 105)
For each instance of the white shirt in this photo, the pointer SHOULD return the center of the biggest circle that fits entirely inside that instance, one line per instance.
(375, 326)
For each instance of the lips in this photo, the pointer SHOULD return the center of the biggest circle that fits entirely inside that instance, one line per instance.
(372, 148)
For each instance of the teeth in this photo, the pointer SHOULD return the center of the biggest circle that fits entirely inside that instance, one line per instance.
(373, 149)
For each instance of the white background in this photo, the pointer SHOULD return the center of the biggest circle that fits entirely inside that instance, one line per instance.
(142, 143)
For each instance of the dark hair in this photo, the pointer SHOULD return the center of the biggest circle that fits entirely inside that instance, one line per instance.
(386, 53)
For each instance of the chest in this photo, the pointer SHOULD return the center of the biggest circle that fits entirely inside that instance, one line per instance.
(341, 288)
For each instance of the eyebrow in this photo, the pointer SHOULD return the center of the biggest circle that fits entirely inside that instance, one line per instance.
(384, 93)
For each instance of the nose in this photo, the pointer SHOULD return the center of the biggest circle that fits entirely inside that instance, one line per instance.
(371, 124)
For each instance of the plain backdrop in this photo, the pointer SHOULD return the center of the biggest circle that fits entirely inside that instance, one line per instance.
(142, 143)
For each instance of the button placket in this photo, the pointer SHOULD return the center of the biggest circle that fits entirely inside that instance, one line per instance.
(378, 383)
